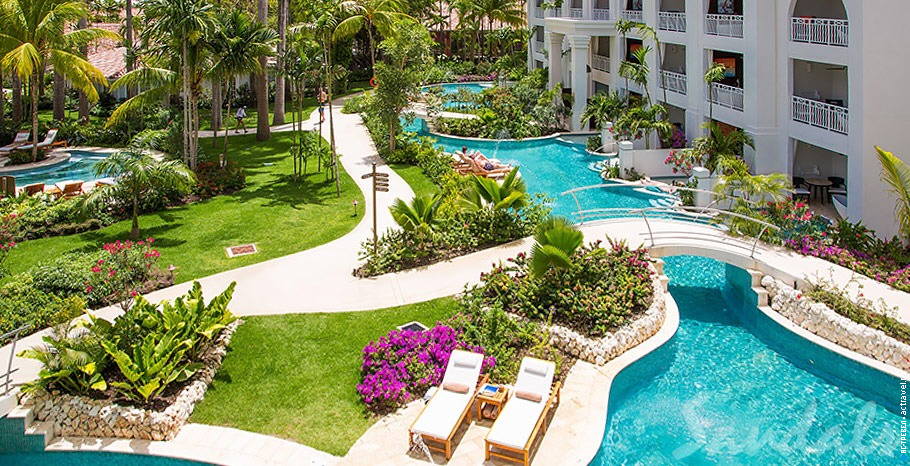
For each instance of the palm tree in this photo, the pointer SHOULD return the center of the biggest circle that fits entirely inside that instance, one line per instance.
(604, 108)
(483, 192)
(137, 173)
(753, 188)
(638, 70)
(370, 14)
(720, 144)
(623, 27)
(420, 216)
(641, 121)
(35, 34)
(896, 174)
(715, 73)
(283, 6)
(556, 241)
(236, 48)
(262, 80)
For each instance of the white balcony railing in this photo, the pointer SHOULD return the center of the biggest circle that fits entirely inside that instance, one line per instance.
(600, 14)
(671, 21)
(724, 25)
(726, 96)
(551, 13)
(632, 15)
(576, 13)
(538, 46)
(538, 12)
(676, 82)
(601, 63)
(820, 31)
(820, 114)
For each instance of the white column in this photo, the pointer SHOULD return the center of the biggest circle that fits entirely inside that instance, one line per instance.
(696, 64)
(649, 15)
(554, 54)
(580, 80)
(587, 7)
(760, 89)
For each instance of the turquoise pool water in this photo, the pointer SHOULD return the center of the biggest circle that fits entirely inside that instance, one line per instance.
(79, 167)
(85, 458)
(733, 387)
(552, 166)
(450, 89)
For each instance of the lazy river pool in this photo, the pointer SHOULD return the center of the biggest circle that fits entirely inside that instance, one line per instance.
(91, 458)
(450, 90)
(733, 387)
(551, 166)
(79, 167)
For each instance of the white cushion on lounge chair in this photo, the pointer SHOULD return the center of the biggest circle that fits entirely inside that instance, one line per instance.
(515, 424)
(48, 140)
(20, 138)
(444, 410)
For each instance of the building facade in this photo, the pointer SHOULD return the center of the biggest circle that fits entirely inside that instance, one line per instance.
(816, 83)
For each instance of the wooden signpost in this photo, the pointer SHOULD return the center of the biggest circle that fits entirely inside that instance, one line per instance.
(380, 183)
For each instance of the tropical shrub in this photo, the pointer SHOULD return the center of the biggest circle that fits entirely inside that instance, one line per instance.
(214, 179)
(682, 162)
(860, 309)
(23, 303)
(42, 216)
(124, 270)
(593, 290)
(401, 366)
(9, 225)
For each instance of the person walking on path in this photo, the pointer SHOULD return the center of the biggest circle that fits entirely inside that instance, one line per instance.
(322, 98)
(240, 115)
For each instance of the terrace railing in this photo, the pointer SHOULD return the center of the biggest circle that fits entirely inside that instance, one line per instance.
(576, 13)
(600, 63)
(13, 337)
(632, 15)
(726, 96)
(600, 14)
(538, 46)
(724, 25)
(671, 21)
(538, 12)
(823, 31)
(676, 82)
(822, 115)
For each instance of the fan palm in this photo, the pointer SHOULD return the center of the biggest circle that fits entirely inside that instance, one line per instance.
(641, 121)
(604, 108)
(719, 144)
(420, 216)
(714, 74)
(556, 241)
(896, 174)
(637, 69)
(623, 26)
(370, 14)
(754, 188)
(236, 48)
(72, 360)
(34, 35)
(137, 174)
(483, 192)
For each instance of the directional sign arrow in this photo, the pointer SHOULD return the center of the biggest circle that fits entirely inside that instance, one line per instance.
(381, 185)
(382, 175)
(368, 175)
(381, 189)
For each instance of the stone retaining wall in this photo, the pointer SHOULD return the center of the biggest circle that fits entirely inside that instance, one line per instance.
(81, 416)
(601, 350)
(821, 320)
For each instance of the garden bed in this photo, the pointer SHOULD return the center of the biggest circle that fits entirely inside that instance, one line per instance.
(83, 416)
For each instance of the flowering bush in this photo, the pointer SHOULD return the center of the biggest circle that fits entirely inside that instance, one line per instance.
(682, 161)
(8, 227)
(402, 365)
(125, 270)
(676, 139)
(212, 179)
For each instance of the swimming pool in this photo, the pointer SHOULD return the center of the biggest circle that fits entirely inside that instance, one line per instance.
(733, 387)
(449, 90)
(91, 458)
(552, 166)
(79, 167)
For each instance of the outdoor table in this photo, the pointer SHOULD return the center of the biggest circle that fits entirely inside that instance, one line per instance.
(494, 400)
(819, 187)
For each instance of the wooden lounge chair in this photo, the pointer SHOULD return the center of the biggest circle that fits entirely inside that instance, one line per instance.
(50, 141)
(524, 415)
(447, 409)
(70, 188)
(32, 189)
(20, 139)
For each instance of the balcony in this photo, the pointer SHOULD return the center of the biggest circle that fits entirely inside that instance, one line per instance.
(600, 63)
(726, 96)
(671, 21)
(632, 15)
(538, 12)
(821, 115)
(672, 81)
(576, 13)
(600, 14)
(538, 46)
(724, 25)
(822, 31)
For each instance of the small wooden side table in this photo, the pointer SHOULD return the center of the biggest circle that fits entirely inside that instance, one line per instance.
(495, 400)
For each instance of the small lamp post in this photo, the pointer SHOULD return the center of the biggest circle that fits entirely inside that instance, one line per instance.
(354, 205)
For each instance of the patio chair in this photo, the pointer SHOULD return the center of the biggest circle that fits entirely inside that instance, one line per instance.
(70, 188)
(32, 189)
(447, 409)
(50, 141)
(20, 139)
(524, 416)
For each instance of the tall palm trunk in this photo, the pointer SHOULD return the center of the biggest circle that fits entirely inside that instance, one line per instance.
(279, 77)
(17, 98)
(83, 99)
(134, 229)
(128, 43)
(185, 91)
(59, 97)
(230, 96)
(2, 100)
(216, 106)
(262, 82)
(33, 89)
(372, 48)
(331, 81)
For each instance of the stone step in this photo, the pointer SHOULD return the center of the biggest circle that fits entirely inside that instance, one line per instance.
(44, 429)
(23, 413)
(762, 296)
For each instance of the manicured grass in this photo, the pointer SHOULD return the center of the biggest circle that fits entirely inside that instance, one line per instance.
(277, 213)
(420, 183)
(46, 116)
(294, 376)
(252, 117)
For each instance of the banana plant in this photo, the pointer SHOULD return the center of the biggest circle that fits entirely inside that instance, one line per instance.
(483, 192)
(153, 365)
(556, 243)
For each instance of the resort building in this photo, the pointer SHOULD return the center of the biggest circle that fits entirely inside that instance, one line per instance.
(816, 83)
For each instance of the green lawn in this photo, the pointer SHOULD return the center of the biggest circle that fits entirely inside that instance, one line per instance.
(46, 116)
(420, 183)
(252, 117)
(279, 214)
(294, 376)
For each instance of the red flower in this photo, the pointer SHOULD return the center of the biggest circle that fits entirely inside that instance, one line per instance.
(96, 269)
